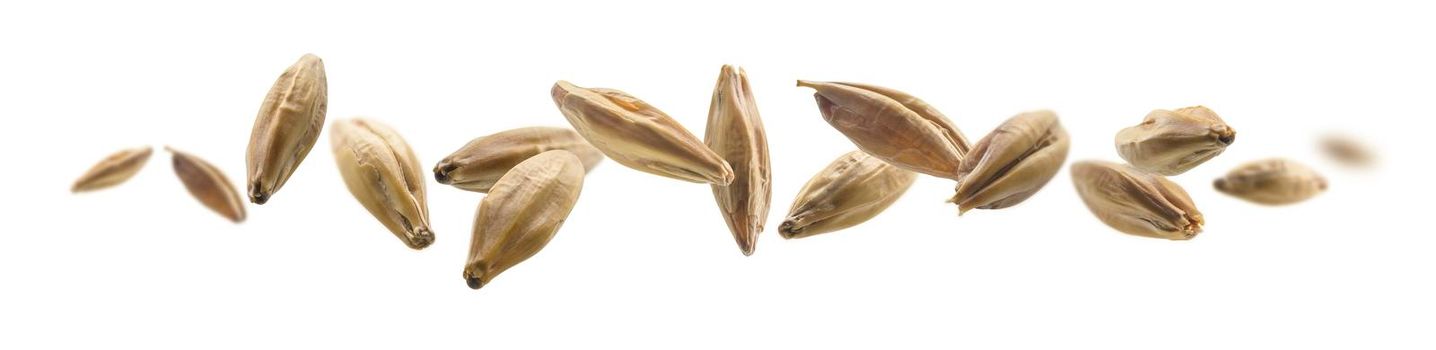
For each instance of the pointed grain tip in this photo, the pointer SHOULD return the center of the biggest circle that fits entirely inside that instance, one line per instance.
(747, 247)
(559, 90)
(258, 198)
(787, 229)
(726, 178)
(1227, 139)
(421, 238)
(441, 174)
(805, 83)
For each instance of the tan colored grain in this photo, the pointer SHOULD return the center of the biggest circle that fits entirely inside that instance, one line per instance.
(1273, 181)
(522, 212)
(852, 189)
(481, 162)
(637, 135)
(1136, 202)
(1172, 142)
(1012, 162)
(207, 184)
(383, 174)
(893, 126)
(113, 170)
(735, 132)
(287, 127)
(1348, 151)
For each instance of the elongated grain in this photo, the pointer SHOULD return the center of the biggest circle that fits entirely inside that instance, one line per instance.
(851, 190)
(893, 126)
(382, 173)
(1272, 181)
(1172, 142)
(113, 170)
(1011, 163)
(481, 162)
(1135, 201)
(735, 132)
(207, 184)
(286, 128)
(522, 213)
(637, 135)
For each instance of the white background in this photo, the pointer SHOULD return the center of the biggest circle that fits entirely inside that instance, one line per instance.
(646, 262)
